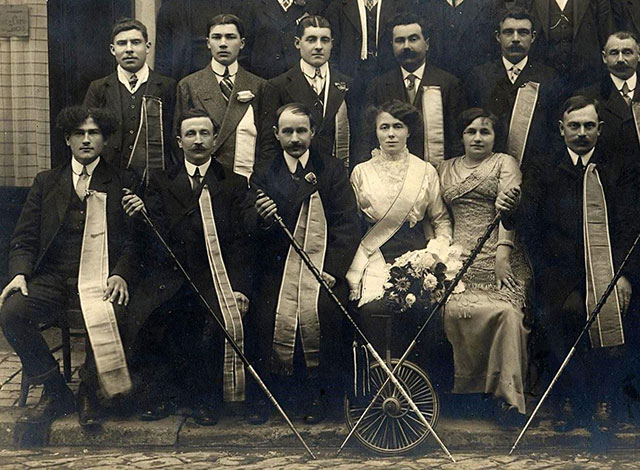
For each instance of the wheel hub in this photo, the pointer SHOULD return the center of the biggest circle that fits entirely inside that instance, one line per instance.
(391, 406)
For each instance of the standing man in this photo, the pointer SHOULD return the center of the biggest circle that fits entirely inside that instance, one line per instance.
(437, 94)
(319, 86)
(179, 355)
(515, 78)
(578, 214)
(295, 327)
(232, 97)
(58, 258)
(571, 34)
(271, 30)
(616, 92)
(126, 92)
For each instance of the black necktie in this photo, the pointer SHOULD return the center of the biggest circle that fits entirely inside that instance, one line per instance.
(197, 181)
(579, 164)
(299, 173)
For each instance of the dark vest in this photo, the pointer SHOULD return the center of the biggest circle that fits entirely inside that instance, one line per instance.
(63, 255)
(560, 35)
(130, 105)
(371, 30)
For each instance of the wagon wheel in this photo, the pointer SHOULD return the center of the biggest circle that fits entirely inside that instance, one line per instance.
(390, 426)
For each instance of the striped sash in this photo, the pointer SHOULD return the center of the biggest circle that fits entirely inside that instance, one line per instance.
(99, 316)
(521, 118)
(298, 297)
(607, 329)
(433, 119)
(364, 275)
(148, 148)
(342, 136)
(635, 111)
(233, 368)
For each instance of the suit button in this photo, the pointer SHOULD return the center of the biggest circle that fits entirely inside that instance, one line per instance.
(277, 56)
(162, 287)
(133, 106)
(131, 131)
(133, 97)
(175, 268)
(130, 147)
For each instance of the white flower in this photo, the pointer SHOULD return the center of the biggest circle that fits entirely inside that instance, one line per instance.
(430, 282)
(410, 299)
(245, 96)
(460, 288)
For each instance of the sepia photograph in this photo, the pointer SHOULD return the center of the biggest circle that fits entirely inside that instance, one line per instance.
(320, 234)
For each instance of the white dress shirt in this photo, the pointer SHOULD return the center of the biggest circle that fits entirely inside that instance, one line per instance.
(124, 76)
(631, 83)
(218, 70)
(520, 66)
(191, 169)
(419, 72)
(585, 158)
(76, 168)
(292, 162)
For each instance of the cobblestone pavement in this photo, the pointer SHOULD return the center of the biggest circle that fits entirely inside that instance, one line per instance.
(274, 459)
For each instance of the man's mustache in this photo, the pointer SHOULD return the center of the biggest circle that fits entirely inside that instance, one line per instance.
(407, 54)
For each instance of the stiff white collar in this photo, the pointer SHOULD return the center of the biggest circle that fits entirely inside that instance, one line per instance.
(292, 162)
(585, 158)
(218, 69)
(76, 166)
(310, 70)
(520, 65)
(125, 75)
(191, 168)
(631, 82)
(419, 72)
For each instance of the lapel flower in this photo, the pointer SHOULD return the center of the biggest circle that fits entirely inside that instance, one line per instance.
(245, 96)
(342, 86)
(311, 178)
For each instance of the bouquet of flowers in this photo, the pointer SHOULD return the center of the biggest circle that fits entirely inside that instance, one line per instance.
(419, 278)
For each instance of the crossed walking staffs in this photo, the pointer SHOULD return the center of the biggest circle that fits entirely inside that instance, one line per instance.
(390, 373)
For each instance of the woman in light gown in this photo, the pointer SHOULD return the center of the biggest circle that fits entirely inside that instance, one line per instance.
(484, 324)
(401, 207)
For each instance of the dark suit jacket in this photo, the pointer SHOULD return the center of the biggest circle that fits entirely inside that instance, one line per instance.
(181, 32)
(175, 211)
(201, 90)
(626, 14)
(105, 93)
(457, 46)
(343, 237)
(592, 23)
(489, 87)
(270, 35)
(550, 215)
(44, 211)
(619, 134)
(292, 86)
(391, 86)
(347, 33)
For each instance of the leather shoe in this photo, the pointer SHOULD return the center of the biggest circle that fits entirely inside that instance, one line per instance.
(89, 412)
(157, 411)
(603, 416)
(52, 405)
(316, 412)
(206, 415)
(259, 412)
(569, 419)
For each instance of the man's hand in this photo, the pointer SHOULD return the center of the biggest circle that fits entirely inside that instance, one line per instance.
(116, 290)
(17, 283)
(624, 293)
(508, 200)
(243, 302)
(132, 204)
(265, 206)
(329, 279)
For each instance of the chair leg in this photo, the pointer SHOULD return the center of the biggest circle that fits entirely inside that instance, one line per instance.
(66, 352)
(24, 391)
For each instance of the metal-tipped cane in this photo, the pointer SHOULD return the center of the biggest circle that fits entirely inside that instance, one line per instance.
(465, 266)
(229, 338)
(572, 351)
(391, 377)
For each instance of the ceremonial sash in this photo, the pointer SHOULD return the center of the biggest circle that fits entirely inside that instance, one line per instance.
(246, 134)
(521, 118)
(99, 316)
(342, 136)
(635, 111)
(367, 268)
(432, 116)
(233, 368)
(607, 329)
(148, 148)
(364, 53)
(298, 297)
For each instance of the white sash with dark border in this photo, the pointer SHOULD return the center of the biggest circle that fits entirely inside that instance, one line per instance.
(148, 148)
(607, 329)
(635, 111)
(433, 120)
(246, 135)
(521, 119)
(99, 315)
(342, 135)
(233, 368)
(297, 306)
(367, 267)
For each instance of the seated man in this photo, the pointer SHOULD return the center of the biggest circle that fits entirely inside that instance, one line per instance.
(179, 356)
(57, 254)
(295, 326)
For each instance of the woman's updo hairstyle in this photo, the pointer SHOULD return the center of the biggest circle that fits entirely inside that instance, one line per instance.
(466, 117)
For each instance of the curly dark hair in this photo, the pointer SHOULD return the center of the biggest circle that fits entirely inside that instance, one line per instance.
(72, 117)
(400, 110)
(467, 116)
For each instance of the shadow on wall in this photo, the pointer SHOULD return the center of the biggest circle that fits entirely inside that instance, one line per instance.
(11, 202)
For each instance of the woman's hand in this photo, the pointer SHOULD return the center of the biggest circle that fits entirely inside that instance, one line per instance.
(504, 275)
(508, 200)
